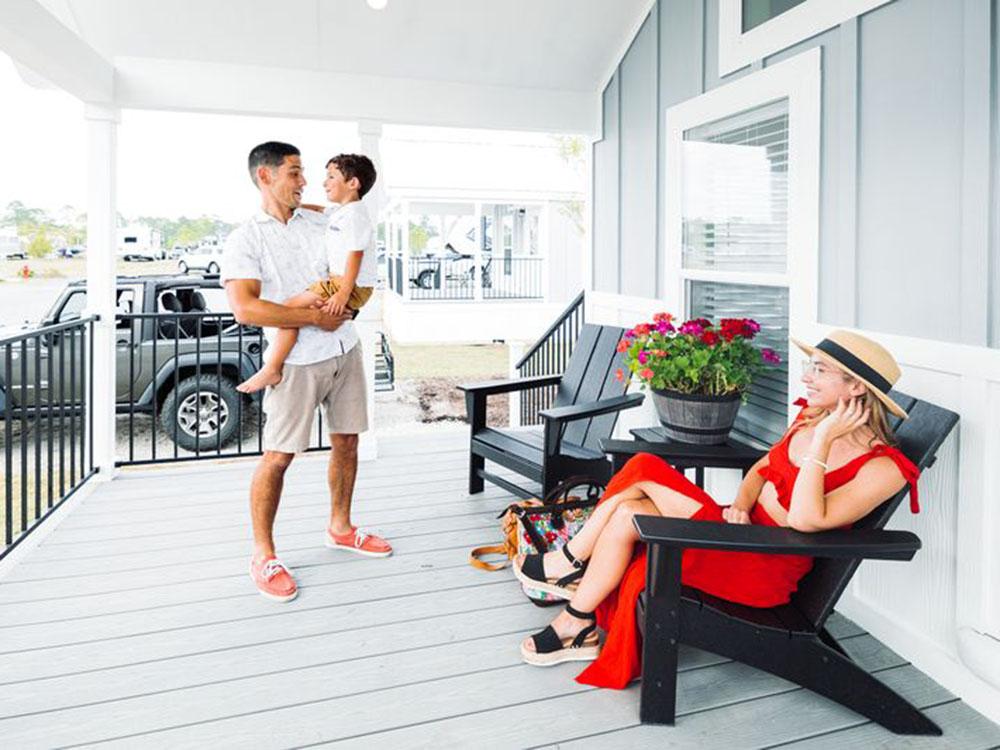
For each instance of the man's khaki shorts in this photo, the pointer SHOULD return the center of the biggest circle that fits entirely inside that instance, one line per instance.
(336, 384)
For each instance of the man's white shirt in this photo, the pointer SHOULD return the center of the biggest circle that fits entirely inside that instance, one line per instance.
(349, 228)
(286, 259)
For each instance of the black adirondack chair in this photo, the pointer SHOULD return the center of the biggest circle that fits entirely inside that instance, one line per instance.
(588, 400)
(791, 640)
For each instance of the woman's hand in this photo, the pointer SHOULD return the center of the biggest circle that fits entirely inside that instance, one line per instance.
(845, 419)
(732, 514)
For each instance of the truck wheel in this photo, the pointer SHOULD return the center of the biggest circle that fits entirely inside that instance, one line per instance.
(425, 279)
(213, 267)
(202, 412)
(182, 267)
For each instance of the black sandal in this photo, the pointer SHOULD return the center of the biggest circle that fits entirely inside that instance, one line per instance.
(551, 649)
(532, 574)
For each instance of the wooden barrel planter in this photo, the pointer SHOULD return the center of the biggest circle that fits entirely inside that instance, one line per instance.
(695, 418)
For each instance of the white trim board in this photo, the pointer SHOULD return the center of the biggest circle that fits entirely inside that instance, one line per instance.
(799, 80)
(738, 49)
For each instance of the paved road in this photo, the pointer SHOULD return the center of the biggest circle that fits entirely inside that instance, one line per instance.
(27, 300)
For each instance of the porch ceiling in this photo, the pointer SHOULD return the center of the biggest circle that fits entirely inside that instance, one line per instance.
(470, 60)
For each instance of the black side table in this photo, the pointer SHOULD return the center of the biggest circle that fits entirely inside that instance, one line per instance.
(733, 454)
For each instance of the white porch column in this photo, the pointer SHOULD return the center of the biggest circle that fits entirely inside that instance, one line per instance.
(102, 149)
(405, 249)
(369, 322)
(477, 259)
(370, 137)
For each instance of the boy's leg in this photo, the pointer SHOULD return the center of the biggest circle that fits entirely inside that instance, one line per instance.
(270, 373)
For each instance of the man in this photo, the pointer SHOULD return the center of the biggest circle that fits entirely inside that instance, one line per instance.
(270, 258)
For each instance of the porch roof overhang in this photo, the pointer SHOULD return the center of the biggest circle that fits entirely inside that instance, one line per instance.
(460, 63)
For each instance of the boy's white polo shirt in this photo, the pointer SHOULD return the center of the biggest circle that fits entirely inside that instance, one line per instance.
(349, 228)
(286, 259)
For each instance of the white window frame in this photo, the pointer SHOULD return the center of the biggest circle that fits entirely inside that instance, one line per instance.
(798, 80)
(738, 49)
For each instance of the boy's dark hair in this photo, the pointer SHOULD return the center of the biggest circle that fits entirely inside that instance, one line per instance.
(356, 165)
(269, 154)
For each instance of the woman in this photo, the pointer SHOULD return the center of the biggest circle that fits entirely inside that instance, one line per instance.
(831, 468)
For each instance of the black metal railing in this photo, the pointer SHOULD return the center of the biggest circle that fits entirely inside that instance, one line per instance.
(456, 278)
(387, 365)
(515, 278)
(548, 356)
(176, 395)
(45, 392)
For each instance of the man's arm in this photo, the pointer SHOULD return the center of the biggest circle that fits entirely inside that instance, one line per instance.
(250, 309)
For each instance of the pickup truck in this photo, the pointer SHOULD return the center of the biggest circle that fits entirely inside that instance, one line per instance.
(183, 368)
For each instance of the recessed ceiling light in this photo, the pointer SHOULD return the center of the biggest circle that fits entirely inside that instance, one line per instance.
(377, 4)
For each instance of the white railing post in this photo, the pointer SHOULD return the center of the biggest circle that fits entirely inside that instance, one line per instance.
(405, 236)
(477, 258)
(102, 147)
(545, 250)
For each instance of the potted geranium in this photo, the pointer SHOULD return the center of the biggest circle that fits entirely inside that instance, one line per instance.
(699, 373)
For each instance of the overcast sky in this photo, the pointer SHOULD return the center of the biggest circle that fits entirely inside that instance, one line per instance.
(173, 164)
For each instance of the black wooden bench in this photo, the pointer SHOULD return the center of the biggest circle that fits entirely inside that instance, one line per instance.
(588, 400)
(791, 640)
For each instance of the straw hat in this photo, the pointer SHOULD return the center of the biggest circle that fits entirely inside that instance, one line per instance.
(863, 359)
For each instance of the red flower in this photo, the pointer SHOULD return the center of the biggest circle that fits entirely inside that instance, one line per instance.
(550, 537)
(642, 329)
(662, 316)
(619, 374)
(710, 337)
(646, 373)
(623, 346)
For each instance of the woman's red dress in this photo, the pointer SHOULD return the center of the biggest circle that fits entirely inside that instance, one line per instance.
(749, 578)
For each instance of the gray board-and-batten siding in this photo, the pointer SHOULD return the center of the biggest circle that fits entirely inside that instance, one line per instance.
(909, 221)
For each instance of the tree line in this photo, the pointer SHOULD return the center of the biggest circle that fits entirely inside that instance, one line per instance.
(41, 232)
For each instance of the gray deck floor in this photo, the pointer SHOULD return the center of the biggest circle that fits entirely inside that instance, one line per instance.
(135, 624)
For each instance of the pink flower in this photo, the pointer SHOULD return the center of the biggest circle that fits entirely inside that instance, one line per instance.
(665, 326)
(643, 357)
(691, 328)
(770, 356)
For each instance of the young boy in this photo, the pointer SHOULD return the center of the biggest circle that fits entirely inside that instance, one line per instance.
(350, 249)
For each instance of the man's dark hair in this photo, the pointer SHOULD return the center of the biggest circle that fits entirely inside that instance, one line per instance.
(269, 154)
(356, 165)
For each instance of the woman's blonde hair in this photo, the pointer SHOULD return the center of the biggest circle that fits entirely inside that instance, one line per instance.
(878, 415)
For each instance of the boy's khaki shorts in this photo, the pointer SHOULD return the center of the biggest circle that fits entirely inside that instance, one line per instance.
(329, 287)
(337, 384)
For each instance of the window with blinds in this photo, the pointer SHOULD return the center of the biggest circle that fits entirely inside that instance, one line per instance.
(756, 12)
(735, 192)
(764, 417)
(734, 218)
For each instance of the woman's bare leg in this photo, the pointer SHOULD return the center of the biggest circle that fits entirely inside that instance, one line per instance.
(613, 551)
(582, 544)
(611, 557)
(270, 373)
